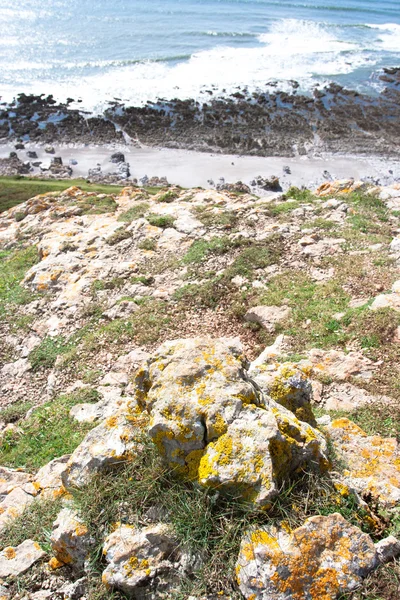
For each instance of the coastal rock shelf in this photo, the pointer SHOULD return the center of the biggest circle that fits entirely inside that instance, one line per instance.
(199, 394)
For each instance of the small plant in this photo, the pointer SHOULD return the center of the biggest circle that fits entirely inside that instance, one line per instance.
(14, 412)
(169, 196)
(148, 244)
(162, 221)
(136, 212)
(19, 216)
(119, 236)
(299, 194)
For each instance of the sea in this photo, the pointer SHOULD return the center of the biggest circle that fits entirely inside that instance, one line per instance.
(137, 51)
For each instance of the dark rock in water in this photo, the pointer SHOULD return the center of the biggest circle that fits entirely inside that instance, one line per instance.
(13, 166)
(73, 162)
(19, 146)
(13, 155)
(49, 150)
(123, 170)
(327, 175)
(287, 170)
(157, 182)
(117, 157)
(144, 180)
(31, 154)
(37, 164)
(271, 184)
(57, 160)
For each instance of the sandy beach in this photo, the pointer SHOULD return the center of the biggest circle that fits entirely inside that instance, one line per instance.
(190, 168)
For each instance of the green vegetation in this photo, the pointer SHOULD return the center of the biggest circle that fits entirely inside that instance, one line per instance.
(118, 236)
(13, 266)
(162, 221)
(299, 194)
(210, 217)
(34, 523)
(46, 434)
(18, 189)
(136, 212)
(169, 196)
(148, 244)
(200, 250)
(14, 412)
(45, 355)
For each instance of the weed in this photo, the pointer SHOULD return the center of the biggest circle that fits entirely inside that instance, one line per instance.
(216, 218)
(299, 194)
(13, 267)
(45, 355)
(118, 236)
(169, 196)
(14, 412)
(201, 249)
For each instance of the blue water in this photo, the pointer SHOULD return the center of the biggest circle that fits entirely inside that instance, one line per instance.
(138, 50)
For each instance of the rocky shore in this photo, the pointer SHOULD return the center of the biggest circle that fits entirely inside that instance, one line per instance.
(333, 119)
(199, 394)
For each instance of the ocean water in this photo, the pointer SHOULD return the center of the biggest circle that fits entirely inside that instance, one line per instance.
(140, 50)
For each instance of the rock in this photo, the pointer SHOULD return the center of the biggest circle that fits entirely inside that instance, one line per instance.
(117, 157)
(12, 478)
(278, 348)
(343, 396)
(19, 146)
(115, 378)
(15, 561)
(388, 549)
(267, 316)
(343, 186)
(339, 365)
(213, 425)
(111, 442)
(49, 149)
(57, 160)
(70, 540)
(323, 559)
(138, 557)
(13, 505)
(391, 300)
(268, 184)
(372, 462)
(32, 154)
(48, 478)
(16, 369)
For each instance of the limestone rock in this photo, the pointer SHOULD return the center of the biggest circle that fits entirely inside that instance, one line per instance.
(13, 505)
(70, 540)
(388, 549)
(373, 462)
(137, 557)
(48, 478)
(391, 300)
(15, 561)
(320, 560)
(213, 425)
(267, 316)
(343, 396)
(340, 366)
(11, 478)
(108, 444)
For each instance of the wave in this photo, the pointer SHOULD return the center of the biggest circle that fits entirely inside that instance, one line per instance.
(389, 39)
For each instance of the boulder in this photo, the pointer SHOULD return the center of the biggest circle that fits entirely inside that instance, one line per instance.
(267, 316)
(117, 157)
(391, 300)
(48, 478)
(70, 540)
(138, 557)
(323, 559)
(372, 462)
(12, 478)
(212, 424)
(15, 561)
(110, 443)
(13, 505)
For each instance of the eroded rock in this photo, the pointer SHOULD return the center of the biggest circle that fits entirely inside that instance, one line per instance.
(15, 561)
(70, 540)
(320, 560)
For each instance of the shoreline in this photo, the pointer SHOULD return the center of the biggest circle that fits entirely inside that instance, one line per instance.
(189, 168)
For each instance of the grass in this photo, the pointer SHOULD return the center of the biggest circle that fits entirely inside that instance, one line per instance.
(14, 264)
(118, 236)
(14, 412)
(169, 196)
(148, 244)
(48, 433)
(34, 523)
(200, 250)
(17, 189)
(210, 217)
(136, 212)
(45, 355)
(163, 221)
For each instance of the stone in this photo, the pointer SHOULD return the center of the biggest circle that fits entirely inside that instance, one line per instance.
(49, 149)
(117, 157)
(12, 478)
(16, 560)
(391, 300)
(372, 462)
(111, 442)
(115, 378)
(267, 316)
(137, 557)
(13, 505)
(111, 403)
(269, 354)
(48, 479)
(339, 365)
(343, 396)
(321, 560)
(388, 549)
(70, 540)
(213, 425)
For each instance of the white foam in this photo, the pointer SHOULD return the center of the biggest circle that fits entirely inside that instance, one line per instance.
(291, 49)
(389, 39)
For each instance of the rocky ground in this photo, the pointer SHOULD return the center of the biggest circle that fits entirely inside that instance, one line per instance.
(200, 394)
(333, 119)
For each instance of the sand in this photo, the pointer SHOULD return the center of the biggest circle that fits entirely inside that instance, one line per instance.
(189, 169)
